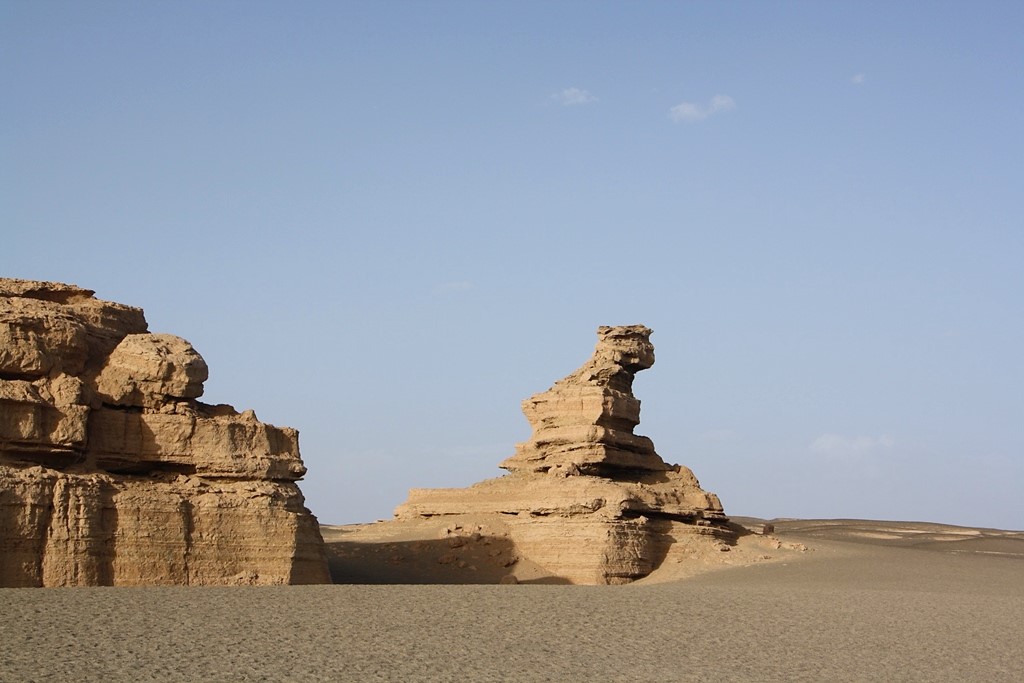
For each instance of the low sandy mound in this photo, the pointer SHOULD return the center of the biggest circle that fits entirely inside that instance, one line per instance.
(479, 549)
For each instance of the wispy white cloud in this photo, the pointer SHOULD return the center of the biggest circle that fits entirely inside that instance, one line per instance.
(688, 112)
(573, 96)
(450, 287)
(858, 79)
(845, 447)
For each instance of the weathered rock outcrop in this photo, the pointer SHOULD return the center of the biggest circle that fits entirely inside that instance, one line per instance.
(112, 473)
(585, 498)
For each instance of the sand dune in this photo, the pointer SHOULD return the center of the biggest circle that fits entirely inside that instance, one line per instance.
(868, 601)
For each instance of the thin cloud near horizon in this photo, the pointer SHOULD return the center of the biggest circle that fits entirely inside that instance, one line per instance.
(841, 446)
(569, 97)
(689, 112)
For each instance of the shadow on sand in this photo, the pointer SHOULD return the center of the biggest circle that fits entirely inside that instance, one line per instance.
(485, 560)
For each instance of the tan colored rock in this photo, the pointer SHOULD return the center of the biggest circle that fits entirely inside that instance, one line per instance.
(111, 473)
(230, 446)
(38, 321)
(148, 370)
(586, 499)
(586, 420)
(38, 338)
(43, 418)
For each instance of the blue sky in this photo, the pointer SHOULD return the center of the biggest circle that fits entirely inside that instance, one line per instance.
(386, 224)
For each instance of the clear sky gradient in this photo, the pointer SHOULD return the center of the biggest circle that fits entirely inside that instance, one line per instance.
(387, 223)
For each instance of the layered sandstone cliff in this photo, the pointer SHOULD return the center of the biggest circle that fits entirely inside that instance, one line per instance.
(112, 473)
(586, 498)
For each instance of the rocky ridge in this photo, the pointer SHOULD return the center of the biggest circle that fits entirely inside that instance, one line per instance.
(586, 499)
(112, 473)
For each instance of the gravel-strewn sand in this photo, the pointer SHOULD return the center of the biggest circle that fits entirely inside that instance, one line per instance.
(870, 601)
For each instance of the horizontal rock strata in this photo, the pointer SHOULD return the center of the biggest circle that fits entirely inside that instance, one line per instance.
(112, 473)
(585, 498)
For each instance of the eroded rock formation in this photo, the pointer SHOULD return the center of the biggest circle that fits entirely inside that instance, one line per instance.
(112, 473)
(585, 497)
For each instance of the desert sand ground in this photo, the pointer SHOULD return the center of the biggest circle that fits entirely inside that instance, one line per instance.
(868, 601)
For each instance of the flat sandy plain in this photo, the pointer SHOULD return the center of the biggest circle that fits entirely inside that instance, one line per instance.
(868, 601)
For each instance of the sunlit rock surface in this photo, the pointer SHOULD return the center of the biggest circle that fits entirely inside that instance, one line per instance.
(112, 473)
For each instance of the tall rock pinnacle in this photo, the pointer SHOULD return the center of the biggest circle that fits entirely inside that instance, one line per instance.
(585, 498)
(584, 423)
